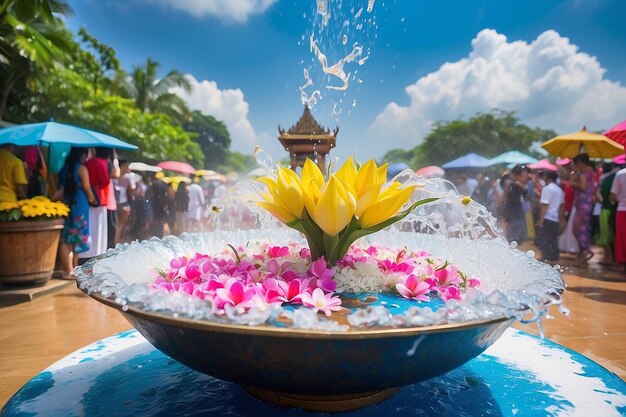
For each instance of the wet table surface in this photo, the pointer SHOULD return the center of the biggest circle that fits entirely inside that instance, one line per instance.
(123, 375)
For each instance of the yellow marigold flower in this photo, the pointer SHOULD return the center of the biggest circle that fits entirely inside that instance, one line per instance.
(466, 200)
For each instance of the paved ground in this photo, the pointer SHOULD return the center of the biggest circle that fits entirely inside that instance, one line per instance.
(35, 334)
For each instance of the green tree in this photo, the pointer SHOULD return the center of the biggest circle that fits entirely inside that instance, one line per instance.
(212, 136)
(488, 134)
(68, 97)
(30, 34)
(99, 63)
(398, 155)
(238, 162)
(152, 94)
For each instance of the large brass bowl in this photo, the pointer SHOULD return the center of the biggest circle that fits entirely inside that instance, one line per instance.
(311, 369)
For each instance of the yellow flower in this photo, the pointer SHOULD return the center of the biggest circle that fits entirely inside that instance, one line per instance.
(35, 207)
(8, 205)
(284, 200)
(387, 205)
(334, 209)
(466, 200)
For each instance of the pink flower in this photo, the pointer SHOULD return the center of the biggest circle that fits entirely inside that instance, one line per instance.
(447, 276)
(414, 289)
(322, 275)
(371, 250)
(390, 266)
(449, 293)
(473, 282)
(292, 292)
(234, 293)
(305, 253)
(277, 251)
(321, 302)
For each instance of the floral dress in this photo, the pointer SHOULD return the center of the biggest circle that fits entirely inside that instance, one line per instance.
(583, 201)
(76, 229)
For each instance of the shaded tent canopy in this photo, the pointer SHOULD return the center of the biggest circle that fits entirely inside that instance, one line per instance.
(471, 160)
(512, 157)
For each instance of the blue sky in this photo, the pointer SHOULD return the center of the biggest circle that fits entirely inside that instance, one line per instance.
(559, 63)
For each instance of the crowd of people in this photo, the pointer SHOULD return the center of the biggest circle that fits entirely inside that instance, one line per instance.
(108, 203)
(563, 211)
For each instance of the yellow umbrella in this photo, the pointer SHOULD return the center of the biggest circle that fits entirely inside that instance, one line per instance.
(203, 172)
(176, 180)
(572, 144)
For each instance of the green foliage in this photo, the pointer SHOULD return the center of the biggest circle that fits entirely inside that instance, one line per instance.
(98, 64)
(30, 34)
(238, 162)
(397, 155)
(67, 96)
(211, 135)
(488, 134)
(151, 93)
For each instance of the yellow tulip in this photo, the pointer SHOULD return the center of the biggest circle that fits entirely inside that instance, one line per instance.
(311, 173)
(278, 211)
(389, 203)
(365, 178)
(334, 209)
(346, 175)
(284, 200)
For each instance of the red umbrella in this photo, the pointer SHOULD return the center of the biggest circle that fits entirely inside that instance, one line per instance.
(617, 133)
(543, 164)
(181, 167)
(431, 172)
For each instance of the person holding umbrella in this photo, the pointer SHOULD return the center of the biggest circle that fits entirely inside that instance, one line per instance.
(585, 184)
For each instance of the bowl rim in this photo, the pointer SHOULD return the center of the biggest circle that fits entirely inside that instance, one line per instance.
(290, 332)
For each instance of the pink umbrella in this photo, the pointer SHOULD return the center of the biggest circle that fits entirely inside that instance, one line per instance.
(543, 164)
(563, 161)
(431, 172)
(620, 160)
(617, 133)
(181, 167)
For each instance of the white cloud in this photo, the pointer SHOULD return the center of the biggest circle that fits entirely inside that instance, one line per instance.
(230, 10)
(228, 105)
(548, 81)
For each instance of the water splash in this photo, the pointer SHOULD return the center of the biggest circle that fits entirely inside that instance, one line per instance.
(322, 10)
(311, 100)
(337, 68)
(330, 33)
(370, 5)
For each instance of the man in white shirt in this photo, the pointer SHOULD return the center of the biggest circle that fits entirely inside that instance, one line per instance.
(196, 206)
(552, 198)
(618, 195)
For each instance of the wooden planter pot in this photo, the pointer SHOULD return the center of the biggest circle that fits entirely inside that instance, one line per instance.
(28, 251)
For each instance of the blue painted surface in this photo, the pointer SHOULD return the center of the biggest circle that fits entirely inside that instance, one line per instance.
(128, 377)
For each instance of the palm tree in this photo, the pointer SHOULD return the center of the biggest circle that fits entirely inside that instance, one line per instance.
(30, 34)
(153, 95)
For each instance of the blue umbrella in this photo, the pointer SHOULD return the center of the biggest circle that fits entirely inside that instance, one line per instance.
(471, 160)
(396, 168)
(512, 157)
(47, 133)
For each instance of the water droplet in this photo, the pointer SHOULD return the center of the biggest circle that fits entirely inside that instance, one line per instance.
(344, 40)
